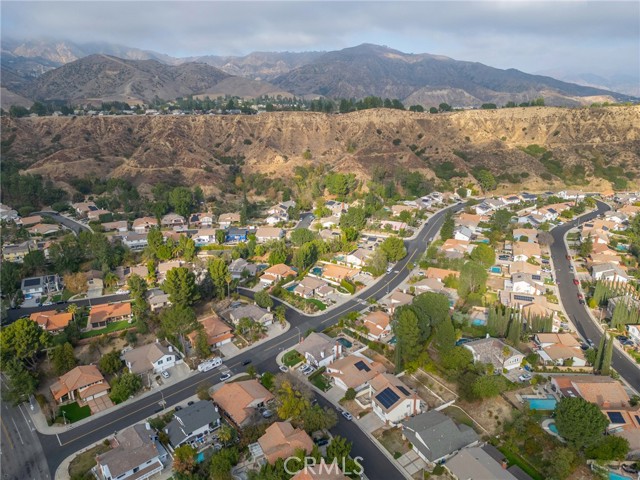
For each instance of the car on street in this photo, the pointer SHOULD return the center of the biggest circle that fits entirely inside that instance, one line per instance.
(165, 374)
(622, 338)
(629, 343)
(283, 368)
(177, 409)
(321, 442)
(571, 268)
(246, 362)
(225, 376)
(525, 377)
(189, 403)
(576, 281)
(590, 343)
(347, 415)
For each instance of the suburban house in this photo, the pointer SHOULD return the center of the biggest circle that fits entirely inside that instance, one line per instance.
(119, 226)
(440, 274)
(281, 440)
(277, 272)
(203, 220)
(29, 221)
(634, 332)
(52, 321)
(560, 349)
(164, 267)
(144, 224)
(226, 219)
(102, 315)
(453, 248)
(496, 352)
(236, 234)
(308, 286)
(609, 272)
(463, 233)
(354, 372)
(338, 273)
(241, 401)
(397, 299)
(319, 349)
(7, 213)
(238, 266)
(135, 241)
(337, 208)
(172, 220)
(393, 225)
(44, 229)
(266, 234)
(16, 253)
(191, 423)
(205, 236)
(523, 251)
(470, 221)
(489, 205)
(529, 235)
(602, 390)
(216, 331)
(627, 301)
(527, 283)
(358, 257)
(329, 222)
(571, 195)
(396, 210)
(392, 400)
(435, 437)
(253, 312)
(35, 287)
(483, 462)
(524, 267)
(96, 214)
(157, 299)
(83, 383)
(280, 213)
(152, 357)
(83, 208)
(135, 454)
(124, 273)
(378, 325)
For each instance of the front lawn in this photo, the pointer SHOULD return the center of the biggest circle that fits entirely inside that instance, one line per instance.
(81, 466)
(292, 358)
(321, 306)
(74, 412)
(319, 380)
(112, 327)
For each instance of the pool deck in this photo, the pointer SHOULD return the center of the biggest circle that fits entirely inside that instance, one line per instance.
(546, 427)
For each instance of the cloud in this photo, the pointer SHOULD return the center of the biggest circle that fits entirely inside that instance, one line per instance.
(529, 35)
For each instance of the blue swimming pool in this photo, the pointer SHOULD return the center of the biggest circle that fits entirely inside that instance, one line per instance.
(553, 428)
(548, 403)
(345, 343)
(200, 457)
(617, 476)
(317, 271)
(291, 287)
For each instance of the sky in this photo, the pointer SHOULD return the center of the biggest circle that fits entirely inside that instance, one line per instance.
(601, 37)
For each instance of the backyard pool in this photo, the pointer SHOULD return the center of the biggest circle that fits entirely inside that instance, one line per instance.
(200, 457)
(291, 287)
(617, 476)
(496, 270)
(317, 271)
(345, 343)
(536, 403)
(553, 428)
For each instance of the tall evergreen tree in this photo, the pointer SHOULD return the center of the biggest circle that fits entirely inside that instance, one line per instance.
(599, 354)
(608, 354)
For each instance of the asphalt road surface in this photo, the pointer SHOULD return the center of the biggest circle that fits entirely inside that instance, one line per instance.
(21, 454)
(76, 227)
(58, 447)
(569, 295)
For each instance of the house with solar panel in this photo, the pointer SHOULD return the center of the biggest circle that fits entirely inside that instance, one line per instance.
(354, 372)
(392, 400)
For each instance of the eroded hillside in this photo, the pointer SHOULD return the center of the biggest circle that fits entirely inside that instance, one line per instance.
(579, 146)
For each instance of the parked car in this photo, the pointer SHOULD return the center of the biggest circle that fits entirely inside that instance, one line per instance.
(629, 343)
(190, 402)
(622, 338)
(571, 268)
(321, 442)
(347, 415)
(525, 377)
(247, 362)
(267, 414)
(590, 343)
(177, 409)
(225, 376)
(165, 374)
(284, 368)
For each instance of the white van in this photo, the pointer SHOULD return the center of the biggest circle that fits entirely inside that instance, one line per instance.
(210, 364)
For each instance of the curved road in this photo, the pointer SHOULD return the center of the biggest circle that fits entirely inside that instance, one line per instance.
(569, 295)
(58, 447)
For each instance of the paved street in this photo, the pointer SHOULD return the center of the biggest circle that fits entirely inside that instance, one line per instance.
(58, 447)
(569, 296)
(21, 457)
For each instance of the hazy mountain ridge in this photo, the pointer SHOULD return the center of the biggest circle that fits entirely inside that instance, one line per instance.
(192, 149)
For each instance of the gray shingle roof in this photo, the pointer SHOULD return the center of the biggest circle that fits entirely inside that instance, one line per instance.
(190, 419)
(435, 435)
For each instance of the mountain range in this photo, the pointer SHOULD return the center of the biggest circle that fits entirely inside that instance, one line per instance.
(50, 70)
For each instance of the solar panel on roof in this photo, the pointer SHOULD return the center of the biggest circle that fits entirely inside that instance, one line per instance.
(30, 282)
(523, 298)
(403, 390)
(360, 365)
(387, 397)
(638, 419)
(616, 417)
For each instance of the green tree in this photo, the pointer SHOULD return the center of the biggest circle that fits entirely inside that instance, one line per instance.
(445, 337)
(181, 199)
(393, 248)
(407, 332)
(597, 364)
(500, 220)
(457, 359)
(487, 386)
(221, 236)
(203, 350)
(180, 284)
(473, 279)
(300, 236)
(444, 107)
(186, 248)
(184, 459)
(432, 309)
(586, 247)
(377, 263)
(21, 382)
(155, 240)
(176, 321)
(609, 448)
(111, 363)
(339, 449)
(318, 418)
(278, 253)
(138, 295)
(290, 402)
(222, 462)
(355, 217)
(559, 462)
(305, 256)
(33, 262)
(446, 232)
(263, 299)
(220, 276)
(608, 355)
(63, 359)
(123, 386)
(484, 255)
(486, 179)
(22, 340)
(10, 278)
(579, 422)
(280, 313)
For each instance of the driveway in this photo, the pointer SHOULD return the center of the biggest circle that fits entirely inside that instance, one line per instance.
(412, 463)
(371, 422)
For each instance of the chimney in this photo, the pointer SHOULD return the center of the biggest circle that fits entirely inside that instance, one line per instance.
(170, 348)
(504, 464)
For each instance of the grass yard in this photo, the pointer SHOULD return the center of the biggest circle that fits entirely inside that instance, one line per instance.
(490, 298)
(292, 358)
(321, 382)
(460, 417)
(74, 412)
(321, 306)
(83, 463)
(515, 459)
(112, 327)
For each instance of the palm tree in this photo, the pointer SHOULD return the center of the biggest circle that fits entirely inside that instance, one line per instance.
(110, 279)
(225, 434)
(72, 308)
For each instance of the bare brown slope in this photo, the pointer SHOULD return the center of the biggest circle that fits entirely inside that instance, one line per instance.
(149, 149)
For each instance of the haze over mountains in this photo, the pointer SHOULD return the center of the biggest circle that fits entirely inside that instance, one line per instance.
(87, 73)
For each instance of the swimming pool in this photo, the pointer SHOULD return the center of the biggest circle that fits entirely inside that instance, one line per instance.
(291, 287)
(548, 403)
(200, 457)
(317, 271)
(553, 428)
(345, 343)
(617, 476)
(496, 270)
